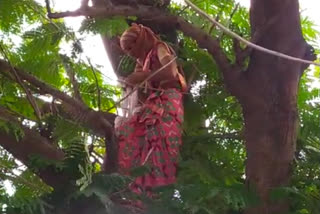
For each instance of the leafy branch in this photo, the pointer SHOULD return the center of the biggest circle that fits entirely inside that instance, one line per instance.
(100, 123)
(71, 74)
(97, 83)
(26, 90)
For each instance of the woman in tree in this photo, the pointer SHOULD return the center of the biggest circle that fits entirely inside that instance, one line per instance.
(152, 134)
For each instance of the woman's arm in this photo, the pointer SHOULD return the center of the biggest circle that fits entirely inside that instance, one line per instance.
(137, 76)
(170, 72)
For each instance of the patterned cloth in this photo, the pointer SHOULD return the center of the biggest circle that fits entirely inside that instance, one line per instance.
(138, 40)
(152, 137)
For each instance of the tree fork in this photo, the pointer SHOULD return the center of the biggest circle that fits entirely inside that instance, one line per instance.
(267, 90)
(270, 106)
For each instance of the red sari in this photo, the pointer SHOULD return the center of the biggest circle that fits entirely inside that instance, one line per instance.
(152, 136)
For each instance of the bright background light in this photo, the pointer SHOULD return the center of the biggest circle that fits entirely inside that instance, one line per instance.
(92, 45)
(94, 48)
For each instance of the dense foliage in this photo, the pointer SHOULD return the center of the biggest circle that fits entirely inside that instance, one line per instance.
(211, 170)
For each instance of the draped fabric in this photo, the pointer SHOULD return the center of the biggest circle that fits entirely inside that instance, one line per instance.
(138, 40)
(151, 137)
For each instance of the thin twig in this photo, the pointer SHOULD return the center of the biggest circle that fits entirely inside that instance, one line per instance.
(48, 19)
(26, 90)
(97, 83)
(230, 19)
(213, 25)
(142, 83)
(252, 45)
(234, 11)
(193, 75)
(18, 178)
(48, 7)
(181, 11)
(71, 74)
(217, 19)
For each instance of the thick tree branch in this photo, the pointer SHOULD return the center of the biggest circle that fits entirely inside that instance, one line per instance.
(270, 110)
(31, 143)
(258, 33)
(48, 7)
(156, 15)
(7, 70)
(114, 52)
(146, 13)
(123, 10)
(84, 3)
(99, 122)
(26, 90)
(248, 43)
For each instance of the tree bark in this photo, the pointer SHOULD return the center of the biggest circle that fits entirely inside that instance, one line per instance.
(270, 101)
(100, 122)
(31, 143)
(267, 90)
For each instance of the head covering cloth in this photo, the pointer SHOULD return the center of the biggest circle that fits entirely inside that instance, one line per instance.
(153, 135)
(138, 40)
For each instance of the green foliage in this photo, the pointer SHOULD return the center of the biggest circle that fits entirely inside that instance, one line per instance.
(104, 184)
(211, 170)
(109, 27)
(86, 171)
(11, 128)
(126, 65)
(39, 52)
(309, 31)
(28, 187)
(91, 85)
(14, 13)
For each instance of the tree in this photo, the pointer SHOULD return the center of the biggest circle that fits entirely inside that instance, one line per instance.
(248, 97)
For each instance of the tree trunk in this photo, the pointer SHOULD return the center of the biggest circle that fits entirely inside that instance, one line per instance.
(270, 100)
(267, 90)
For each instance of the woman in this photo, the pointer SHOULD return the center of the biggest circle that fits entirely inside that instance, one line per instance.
(152, 134)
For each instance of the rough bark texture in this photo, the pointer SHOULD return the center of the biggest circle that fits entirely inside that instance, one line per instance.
(267, 91)
(270, 101)
(31, 144)
(101, 123)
